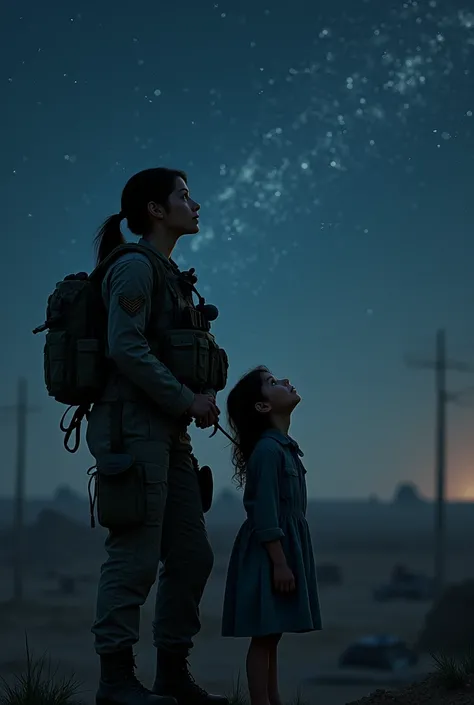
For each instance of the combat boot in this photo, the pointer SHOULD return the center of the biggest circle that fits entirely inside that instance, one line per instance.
(119, 685)
(174, 679)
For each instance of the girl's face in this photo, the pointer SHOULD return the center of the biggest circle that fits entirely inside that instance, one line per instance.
(280, 397)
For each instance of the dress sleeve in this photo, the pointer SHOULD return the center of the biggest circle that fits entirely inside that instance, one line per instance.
(129, 289)
(263, 493)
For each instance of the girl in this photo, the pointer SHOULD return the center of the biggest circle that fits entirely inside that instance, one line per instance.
(271, 581)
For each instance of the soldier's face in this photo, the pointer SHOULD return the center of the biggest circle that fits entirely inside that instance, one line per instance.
(183, 212)
(280, 397)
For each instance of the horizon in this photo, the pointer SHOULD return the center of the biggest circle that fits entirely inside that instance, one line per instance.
(237, 496)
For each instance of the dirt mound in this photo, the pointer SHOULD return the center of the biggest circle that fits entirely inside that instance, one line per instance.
(428, 691)
(449, 625)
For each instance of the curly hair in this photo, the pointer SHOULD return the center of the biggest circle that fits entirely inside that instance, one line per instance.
(245, 422)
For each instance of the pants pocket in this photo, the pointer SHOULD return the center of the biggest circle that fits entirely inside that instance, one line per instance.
(156, 488)
(120, 492)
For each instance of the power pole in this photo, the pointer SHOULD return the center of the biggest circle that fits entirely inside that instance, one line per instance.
(440, 365)
(21, 410)
(440, 462)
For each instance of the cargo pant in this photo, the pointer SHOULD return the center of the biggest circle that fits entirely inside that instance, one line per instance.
(173, 533)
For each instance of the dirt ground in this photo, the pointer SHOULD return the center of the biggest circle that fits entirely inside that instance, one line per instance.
(428, 691)
(61, 626)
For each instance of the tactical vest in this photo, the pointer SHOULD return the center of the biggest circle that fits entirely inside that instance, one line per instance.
(178, 334)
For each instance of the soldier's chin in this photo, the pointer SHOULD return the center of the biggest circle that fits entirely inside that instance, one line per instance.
(191, 229)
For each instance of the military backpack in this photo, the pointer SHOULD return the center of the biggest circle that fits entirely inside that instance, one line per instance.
(75, 362)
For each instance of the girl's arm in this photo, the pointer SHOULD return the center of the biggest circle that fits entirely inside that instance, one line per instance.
(263, 472)
(263, 499)
(276, 552)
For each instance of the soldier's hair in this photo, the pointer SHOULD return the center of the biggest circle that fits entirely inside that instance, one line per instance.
(148, 185)
(245, 422)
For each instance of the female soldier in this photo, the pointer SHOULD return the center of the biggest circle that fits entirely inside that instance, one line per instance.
(165, 371)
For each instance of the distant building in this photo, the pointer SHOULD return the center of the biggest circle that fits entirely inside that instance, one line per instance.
(228, 497)
(407, 494)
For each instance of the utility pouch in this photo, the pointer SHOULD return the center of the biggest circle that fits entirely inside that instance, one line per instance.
(221, 367)
(186, 354)
(206, 487)
(119, 492)
(206, 484)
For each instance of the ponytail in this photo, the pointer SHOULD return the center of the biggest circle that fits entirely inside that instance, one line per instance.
(108, 237)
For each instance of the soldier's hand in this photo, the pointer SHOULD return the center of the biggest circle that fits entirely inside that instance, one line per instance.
(204, 410)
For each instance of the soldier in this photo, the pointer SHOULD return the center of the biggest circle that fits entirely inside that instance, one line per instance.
(161, 352)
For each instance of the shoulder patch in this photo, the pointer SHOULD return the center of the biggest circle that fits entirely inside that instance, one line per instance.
(132, 306)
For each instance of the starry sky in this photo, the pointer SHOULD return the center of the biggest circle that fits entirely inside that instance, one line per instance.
(331, 146)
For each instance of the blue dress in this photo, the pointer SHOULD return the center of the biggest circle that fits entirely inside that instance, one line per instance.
(275, 500)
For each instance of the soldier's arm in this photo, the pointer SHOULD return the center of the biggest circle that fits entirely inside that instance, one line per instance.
(129, 288)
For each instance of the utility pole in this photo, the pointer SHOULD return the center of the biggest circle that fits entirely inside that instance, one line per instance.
(440, 462)
(19, 521)
(440, 365)
(21, 410)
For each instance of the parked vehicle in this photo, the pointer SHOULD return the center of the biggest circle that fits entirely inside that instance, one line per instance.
(381, 652)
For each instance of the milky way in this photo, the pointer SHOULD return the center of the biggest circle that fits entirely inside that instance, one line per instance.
(330, 120)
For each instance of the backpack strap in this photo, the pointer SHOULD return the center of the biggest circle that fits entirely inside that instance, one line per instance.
(99, 272)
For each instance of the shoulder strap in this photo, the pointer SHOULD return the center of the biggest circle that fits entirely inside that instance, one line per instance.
(99, 272)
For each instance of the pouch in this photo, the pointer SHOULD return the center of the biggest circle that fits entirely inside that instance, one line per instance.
(186, 354)
(222, 370)
(120, 492)
(206, 487)
(206, 483)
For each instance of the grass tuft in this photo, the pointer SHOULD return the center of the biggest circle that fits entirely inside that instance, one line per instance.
(238, 694)
(452, 672)
(298, 699)
(39, 684)
(467, 662)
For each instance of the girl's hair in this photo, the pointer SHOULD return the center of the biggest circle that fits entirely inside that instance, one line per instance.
(245, 422)
(148, 185)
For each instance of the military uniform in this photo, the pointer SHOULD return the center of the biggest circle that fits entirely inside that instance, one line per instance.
(139, 430)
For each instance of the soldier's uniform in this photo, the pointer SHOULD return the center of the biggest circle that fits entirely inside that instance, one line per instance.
(148, 489)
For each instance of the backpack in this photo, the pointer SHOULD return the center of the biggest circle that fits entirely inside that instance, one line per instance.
(75, 364)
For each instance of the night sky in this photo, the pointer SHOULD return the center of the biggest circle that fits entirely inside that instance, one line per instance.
(331, 146)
